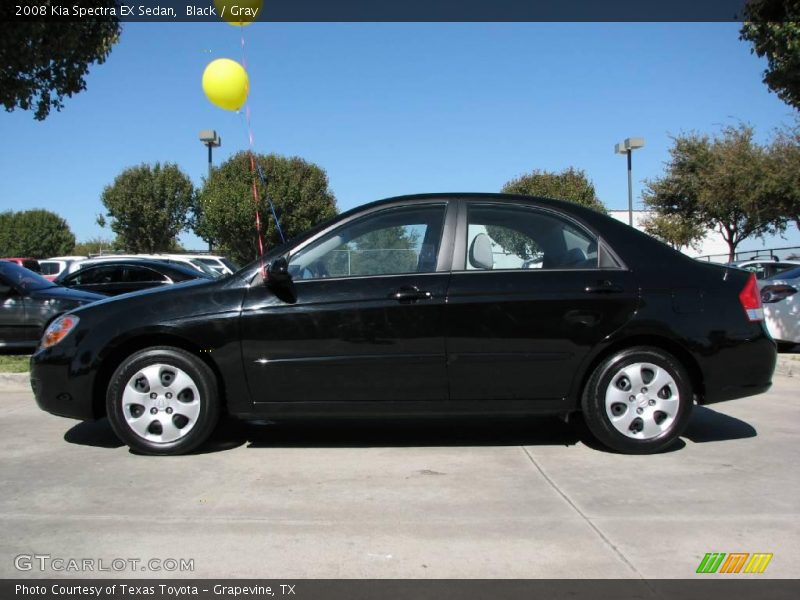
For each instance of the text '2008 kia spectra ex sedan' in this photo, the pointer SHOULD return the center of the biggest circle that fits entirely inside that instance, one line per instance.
(446, 304)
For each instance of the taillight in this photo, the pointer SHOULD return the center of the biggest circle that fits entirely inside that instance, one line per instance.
(751, 299)
(776, 293)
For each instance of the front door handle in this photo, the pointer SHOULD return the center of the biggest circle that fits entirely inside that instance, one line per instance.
(604, 287)
(410, 294)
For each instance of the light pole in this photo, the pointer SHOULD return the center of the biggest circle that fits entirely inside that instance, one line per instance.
(627, 147)
(211, 140)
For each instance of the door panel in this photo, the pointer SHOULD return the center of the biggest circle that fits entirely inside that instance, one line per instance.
(347, 340)
(527, 302)
(362, 320)
(14, 329)
(523, 334)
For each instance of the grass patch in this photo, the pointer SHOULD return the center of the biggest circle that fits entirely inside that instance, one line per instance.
(14, 364)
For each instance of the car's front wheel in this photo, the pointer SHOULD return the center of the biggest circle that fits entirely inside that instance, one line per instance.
(638, 401)
(163, 400)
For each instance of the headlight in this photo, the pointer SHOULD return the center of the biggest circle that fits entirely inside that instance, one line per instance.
(58, 330)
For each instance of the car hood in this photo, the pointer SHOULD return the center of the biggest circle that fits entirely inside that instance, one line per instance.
(167, 291)
(58, 292)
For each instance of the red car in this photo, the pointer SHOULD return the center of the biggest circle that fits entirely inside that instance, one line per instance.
(29, 263)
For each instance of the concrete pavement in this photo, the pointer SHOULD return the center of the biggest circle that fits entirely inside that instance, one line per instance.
(524, 498)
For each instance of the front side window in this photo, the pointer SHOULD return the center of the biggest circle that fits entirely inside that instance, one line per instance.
(501, 237)
(390, 242)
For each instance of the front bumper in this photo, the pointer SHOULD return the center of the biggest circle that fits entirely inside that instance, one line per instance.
(59, 387)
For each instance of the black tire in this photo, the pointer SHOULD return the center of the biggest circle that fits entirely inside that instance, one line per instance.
(183, 401)
(632, 421)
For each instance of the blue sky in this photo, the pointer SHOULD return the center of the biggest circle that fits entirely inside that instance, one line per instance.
(393, 108)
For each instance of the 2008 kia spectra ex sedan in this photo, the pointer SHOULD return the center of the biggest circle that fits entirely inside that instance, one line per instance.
(452, 304)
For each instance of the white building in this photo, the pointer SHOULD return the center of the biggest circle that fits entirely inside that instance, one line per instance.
(713, 244)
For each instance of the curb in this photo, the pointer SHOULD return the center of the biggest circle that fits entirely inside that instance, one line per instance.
(788, 365)
(15, 381)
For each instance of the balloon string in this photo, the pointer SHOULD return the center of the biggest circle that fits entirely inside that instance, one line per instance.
(255, 169)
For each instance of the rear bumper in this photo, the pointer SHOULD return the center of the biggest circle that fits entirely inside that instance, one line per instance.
(60, 388)
(743, 368)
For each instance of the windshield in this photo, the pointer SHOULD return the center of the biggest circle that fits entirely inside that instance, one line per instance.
(24, 280)
(205, 268)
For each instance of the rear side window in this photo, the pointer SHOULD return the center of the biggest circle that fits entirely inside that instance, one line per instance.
(50, 268)
(502, 237)
(144, 275)
(32, 265)
(95, 276)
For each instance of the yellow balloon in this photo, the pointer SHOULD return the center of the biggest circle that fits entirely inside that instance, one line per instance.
(226, 84)
(239, 12)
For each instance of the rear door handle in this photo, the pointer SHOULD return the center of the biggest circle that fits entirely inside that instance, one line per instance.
(410, 294)
(604, 287)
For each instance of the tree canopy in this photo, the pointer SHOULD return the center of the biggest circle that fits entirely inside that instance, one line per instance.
(773, 29)
(36, 233)
(570, 184)
(149, 207)
(42, 61)
(675, 230)
(728, 182)
(226, 210)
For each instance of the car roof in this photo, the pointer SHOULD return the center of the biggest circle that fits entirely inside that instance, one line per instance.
(153, 263)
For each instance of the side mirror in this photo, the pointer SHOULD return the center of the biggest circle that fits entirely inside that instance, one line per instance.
(278, 272)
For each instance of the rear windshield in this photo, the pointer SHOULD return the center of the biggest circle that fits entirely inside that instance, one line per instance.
(21, 278)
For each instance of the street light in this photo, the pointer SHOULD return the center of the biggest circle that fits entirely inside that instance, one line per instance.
(211, 140)
(627, 147)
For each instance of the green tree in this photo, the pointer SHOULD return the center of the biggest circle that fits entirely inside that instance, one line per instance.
(390, 250)
(675, 230)
(726, 182)
(570, 184)
(773, 29)
(149, 207)
(95, 245)
(226, 209)
(784, 155)
(41, 61)
(36, 233)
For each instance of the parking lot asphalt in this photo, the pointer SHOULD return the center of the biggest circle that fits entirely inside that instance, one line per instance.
(523, 498)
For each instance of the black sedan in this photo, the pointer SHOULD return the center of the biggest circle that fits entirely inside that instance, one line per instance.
(455, 304)
(28, 302)
(121, 276)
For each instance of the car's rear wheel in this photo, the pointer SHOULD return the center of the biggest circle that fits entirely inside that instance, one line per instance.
(638, 401)
(163, 400)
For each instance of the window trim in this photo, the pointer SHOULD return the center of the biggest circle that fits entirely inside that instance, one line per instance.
(459, 263)
(445, 244)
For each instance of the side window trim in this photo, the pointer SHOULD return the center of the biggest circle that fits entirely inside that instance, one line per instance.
(605, 254)
(445, 238)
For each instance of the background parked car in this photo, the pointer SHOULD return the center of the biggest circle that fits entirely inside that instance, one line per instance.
(223, 265)
(53, 267)
(29, 263)
(782, 306)
(28, 302)
(124, 275)
(166, 258)
(764, 268)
